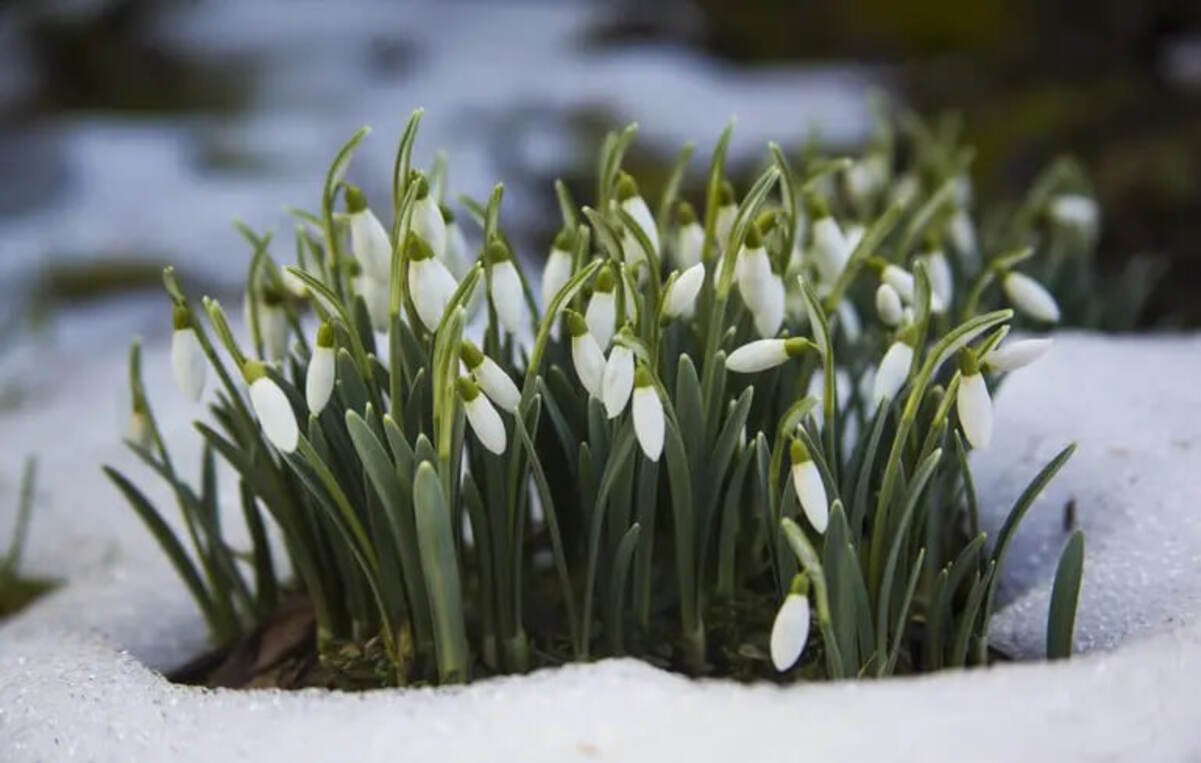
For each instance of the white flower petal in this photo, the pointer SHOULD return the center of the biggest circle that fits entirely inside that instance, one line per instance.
(636, 207)
(770, 314)
(429, 224)
(681, 297)
(507, 296)
(378, 297)
(589, 363)
(275, 414)
(601, 317)
(458, 259)
(1015, 354)
(790, 631)
(1031, 297)
(431, 286)
(690, 243)
(807, 481)
(188, 362)
(555, 275)
(753, 271)
(830, 249)
(648, 421)
(899, 279)
(888, 305)
(319, 380)
(848, 318)
(273, 328)
(617, 381)
(942, 282)
(756, 356)
(497, 385)
(486, 423)
(724, 222)
(892, 373)
(975, 410)
(370, 243)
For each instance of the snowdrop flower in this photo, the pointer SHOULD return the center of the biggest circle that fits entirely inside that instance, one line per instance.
(490, 377)
(942, 282)
(430, 283)
(456, 256)
(1077, 212)
(899, 279)
(810, 491)
(427, 221)
(586, 354)
(507, 295)
(770, 314)
(369, 239)
(690, 237)
(962, 234)
(482, 417)
(635, 206)
(272, 407)
(790, 630)
(1030, 297)
(273, 324)
(377, 295)
(648, 414)
(893, 370)
(752, 270)
(558, 268)
(854, 233)
(293, 284)
(187, 359)
(319, 380)
(601, 313)
(1016, 354)
(848, 319)
(763, 354)
(727, 210)
(863, 179)
(680, 300)
(831, 250)
(618, 380)
(973, 403)
(888, 305)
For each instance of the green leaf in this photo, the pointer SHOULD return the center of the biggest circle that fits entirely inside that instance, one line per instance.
(435, 539)
(1065, 595)
(621, 569)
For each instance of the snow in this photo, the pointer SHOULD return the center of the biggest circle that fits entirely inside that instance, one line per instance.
(77, 678)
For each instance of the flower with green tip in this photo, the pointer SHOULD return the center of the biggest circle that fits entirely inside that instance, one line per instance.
(430, 283)
(559, 265)
(648, 414)
(1077, 212)
(1030, 297)
(770, 314)
(680, 300)
(506, 292)
(942, 282)
(764, 354)
(272, 408)
(272, 322)
(973, 403)
(1017, 353)
(427, 221)
(601, 313)
(894, 369)
(635, 206)
(491, 378)
(899, 279)
(319, 379)
(810, 490)
(483, 418)
(586, 354)
(888, 305)
(727, 210)
(137, 430)
(690, 237)
(790, 630)
(187, 358)
(617, 382)
(831, 250)
(369, 240)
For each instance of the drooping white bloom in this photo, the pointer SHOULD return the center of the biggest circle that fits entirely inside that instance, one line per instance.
(457, 257)
(272, 408)
(1030, 297)
(680, 300)
(974, 407)
(273, 327)
(962, 234)
(427, 220)
(586, 354)
(893, 371)
(507, 296)
(369, 239)
(888, 305)
(601, 313)
(752, 270)
(1018, 353)
(770, 314)
(899, 279)
(727, 210)
(790, 631)
(430, 283)
(558, 268)
(635, 206)
(648, 415)
(1077, 212)
(942, 282)
(377, 295)
(490, 377)
(483, 418)
(319, 380)
(831, 250)
(293, 284)
(854, 234)
(848, 319)
(187, 358)
(762, 354)
(618, 380)
(810, 490)
(690, 237)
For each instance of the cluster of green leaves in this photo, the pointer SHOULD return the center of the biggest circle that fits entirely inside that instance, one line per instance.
(573, 544)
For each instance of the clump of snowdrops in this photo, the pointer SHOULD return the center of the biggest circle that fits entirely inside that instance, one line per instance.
(708, 426)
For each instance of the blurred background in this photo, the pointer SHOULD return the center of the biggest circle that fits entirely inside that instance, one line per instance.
(132, 132)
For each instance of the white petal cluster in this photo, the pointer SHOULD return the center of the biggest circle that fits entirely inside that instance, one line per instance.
(482, 417)
(430, 283)
(506, 292)
(790, 631)
(1030, 297)
(187, 358)
(892, 373)
(557, 271)
(491, 378)
(272, 408)
(322, 371)
(765, 354)
(586, 355)
(369, 239)
(888, 305)
(617, 382)
(601, 313)
(1015, 354)
(680, 300)
(648, 415)
(975, 410)
(810, 490)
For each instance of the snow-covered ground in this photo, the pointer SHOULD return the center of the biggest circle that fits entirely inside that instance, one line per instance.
(77, 679)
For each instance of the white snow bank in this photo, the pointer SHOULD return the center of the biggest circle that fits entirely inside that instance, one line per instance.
(72, 686)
